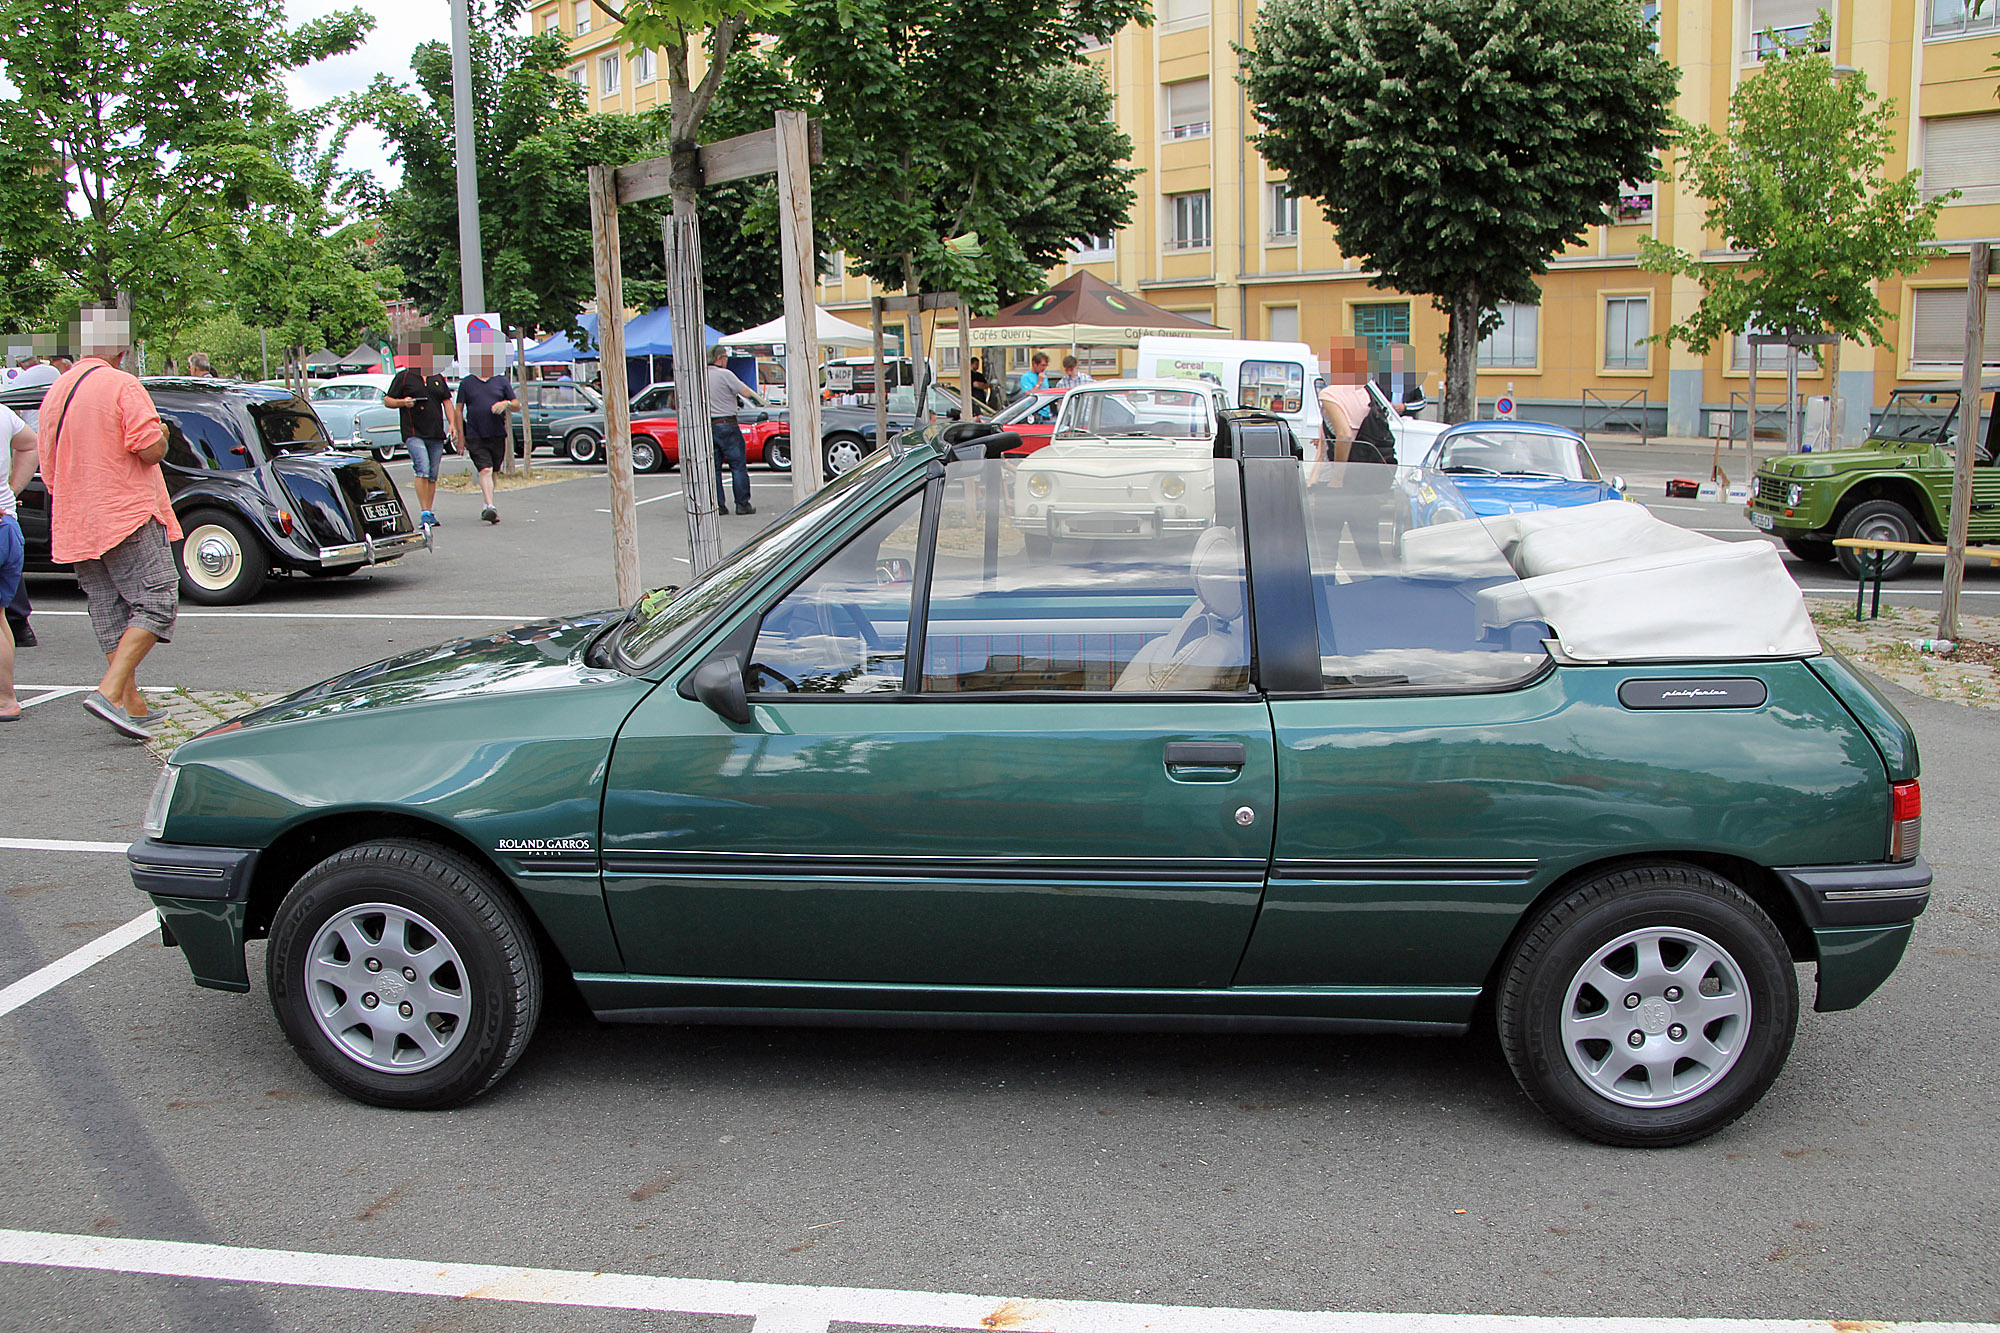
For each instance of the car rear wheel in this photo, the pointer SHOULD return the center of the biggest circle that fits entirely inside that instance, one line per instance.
(1812, 550)
(844, 453)
(778, 453)
(1651, 1006)
(584, 446)
(647, 456)
(403, 975)
(222, 561)
(1883, 521)
(383, 452)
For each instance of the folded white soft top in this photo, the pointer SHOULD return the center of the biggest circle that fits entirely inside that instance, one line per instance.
(1617, 584)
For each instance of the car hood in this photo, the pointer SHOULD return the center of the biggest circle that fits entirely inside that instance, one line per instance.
(1515, 495)
(541, 655)
(1826, 462)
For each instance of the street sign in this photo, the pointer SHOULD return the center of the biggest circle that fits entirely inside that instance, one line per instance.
(1503, 407)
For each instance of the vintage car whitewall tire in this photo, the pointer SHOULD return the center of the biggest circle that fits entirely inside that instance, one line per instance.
(222, 561)
(403, 975)
(1651, 1006)
(584, 446)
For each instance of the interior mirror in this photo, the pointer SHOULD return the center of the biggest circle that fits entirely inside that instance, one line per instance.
(718, 683)
(893, 569)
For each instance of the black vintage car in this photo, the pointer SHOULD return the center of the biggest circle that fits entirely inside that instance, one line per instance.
(257, 487)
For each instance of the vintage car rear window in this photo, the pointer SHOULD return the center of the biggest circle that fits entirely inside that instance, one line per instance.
(289, 426)
(1401, 614)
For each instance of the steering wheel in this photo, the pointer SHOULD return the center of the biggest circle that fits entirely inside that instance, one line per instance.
(791, 686)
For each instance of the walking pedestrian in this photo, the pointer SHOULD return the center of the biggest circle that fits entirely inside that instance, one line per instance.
(484, 400)
(20, 437)
(725, 395)
(430, 417)
(109, 515)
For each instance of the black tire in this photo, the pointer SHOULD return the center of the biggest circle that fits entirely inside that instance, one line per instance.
(778, 453)
(584, 446)
(228, 558)
(647, 456)
(1716, 1067)
(1883, 520)
(1812, 550)
(843, 453)
(1036, 545)
(496, 973)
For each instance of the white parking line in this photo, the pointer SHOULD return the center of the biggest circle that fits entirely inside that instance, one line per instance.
(77, 960)
(782, 1308)
(51, 692)
(59, 845)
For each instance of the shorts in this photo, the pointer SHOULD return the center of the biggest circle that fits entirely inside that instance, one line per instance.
(425, 455)
(486, 454)
(134, 585)
(13, 550)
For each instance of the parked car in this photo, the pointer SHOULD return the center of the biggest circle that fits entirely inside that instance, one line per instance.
(338, 401)
(882, 766)
(258, 488)
(1509, 467)
(1032, 417)
(1895, 487)
(656, 433)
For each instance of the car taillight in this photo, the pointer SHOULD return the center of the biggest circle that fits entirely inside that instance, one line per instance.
(285, 521)
(1906, 820)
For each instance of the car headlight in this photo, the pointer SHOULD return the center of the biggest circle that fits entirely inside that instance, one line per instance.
(163, 798)
(1038, 485)
(1173, 487)
(1794, 493)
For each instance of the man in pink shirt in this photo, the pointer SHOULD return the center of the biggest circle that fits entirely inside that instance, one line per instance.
(101, 445)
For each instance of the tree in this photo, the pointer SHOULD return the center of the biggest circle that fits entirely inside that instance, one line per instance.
(1456, 145)
(141, 131)
(1797, 187)
(925, 105)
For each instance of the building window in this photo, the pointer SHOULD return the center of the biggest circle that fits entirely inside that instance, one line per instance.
(607, 74)
(1649, 14)
(1954, 18)
(1626, 323)
(579, 76)
(1382, 324)
(1181, 11)
(836, 266)
(1284, 212)
(1963, 153)
(553, 23)
(1281, 323)
(1770, 357)
(1512, 345)
(582, 17)
(1093, 249)
(1635, 204)
(1774, 23)
(1187, 110)
(1937, 320)
(1191, 229)
(644, 62)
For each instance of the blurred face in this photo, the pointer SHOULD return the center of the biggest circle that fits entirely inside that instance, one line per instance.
(482, 362)
(1346, 363)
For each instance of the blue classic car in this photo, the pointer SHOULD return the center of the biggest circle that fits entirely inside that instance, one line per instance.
(1511, 467)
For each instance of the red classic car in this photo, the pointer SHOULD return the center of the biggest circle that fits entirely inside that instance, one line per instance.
(656, 441)
(1033, 418)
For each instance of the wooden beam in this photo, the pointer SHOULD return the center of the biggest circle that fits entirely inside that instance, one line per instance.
(746, 155)
(796, 260)
(617, 402)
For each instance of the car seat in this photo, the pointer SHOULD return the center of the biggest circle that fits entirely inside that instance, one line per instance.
(1209, 647)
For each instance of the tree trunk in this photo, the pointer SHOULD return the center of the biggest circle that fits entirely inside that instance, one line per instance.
(681, 234)
(1461, 360)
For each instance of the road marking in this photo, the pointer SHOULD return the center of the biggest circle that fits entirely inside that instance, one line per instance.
(59, 845)
(1834, 590)
(783, 1308)
(670, 495)
(323, 615)
(77, 960)
(52, 692)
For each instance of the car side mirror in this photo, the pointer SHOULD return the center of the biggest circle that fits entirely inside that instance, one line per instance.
(718, 684)
(763, 417)
(1618, 484)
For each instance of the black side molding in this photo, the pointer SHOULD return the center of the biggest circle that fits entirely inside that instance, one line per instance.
(177, 870)
(1873, 893)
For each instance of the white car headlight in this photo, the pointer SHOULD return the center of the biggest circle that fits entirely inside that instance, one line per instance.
(163, 799)
(1793, 494)
(1173, 487)
(1038, 486)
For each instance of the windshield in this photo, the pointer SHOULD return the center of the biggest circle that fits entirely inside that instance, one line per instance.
(1516, 453)
(1040, 407)
(289, 426)
(664, 618)
(1114, 414)
(1920, 415)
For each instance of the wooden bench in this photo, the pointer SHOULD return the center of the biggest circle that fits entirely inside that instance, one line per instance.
(1878, 557)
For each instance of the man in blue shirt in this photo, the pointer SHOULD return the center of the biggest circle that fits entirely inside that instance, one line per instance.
(1036, 377)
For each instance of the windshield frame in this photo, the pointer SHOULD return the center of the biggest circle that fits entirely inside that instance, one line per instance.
(1579, 449)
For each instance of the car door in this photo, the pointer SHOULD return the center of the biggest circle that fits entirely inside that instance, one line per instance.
(962, 767)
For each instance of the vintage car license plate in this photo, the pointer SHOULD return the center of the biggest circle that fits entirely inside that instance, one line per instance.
(1764, 521)
(384, 511)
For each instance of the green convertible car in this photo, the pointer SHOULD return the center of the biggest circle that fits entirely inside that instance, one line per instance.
(1576, 773)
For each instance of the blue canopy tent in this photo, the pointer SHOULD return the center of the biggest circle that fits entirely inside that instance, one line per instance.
(649, 346)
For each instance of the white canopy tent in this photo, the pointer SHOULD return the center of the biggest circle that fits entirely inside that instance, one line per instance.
(833, 331)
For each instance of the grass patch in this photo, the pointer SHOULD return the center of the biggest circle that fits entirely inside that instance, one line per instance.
(463, 483)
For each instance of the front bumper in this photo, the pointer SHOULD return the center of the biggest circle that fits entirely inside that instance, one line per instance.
(1137, 524)
(203, 895)
(1860, 919)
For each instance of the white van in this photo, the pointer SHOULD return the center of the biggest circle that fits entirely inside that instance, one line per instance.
(1283, 378)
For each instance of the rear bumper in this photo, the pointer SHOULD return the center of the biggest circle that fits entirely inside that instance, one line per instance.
(373, 550)
(202, 894)
(1860, 918)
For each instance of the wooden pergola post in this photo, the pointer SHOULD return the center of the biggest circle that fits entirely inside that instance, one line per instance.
(1969, 380)
(617, 402)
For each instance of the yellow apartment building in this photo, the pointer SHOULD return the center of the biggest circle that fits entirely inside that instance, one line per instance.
(1215, 234)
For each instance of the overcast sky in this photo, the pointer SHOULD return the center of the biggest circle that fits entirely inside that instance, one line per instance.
(399, 26)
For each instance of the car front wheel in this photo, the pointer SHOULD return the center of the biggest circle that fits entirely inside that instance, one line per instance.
(1651, 1006)
(844, 453)
(584, 446)
(647, 456)
(222, 560)
(1884, 521)
(778, 453)
(403, 975)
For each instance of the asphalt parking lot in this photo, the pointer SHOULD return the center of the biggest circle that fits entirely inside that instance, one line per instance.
(170, 1165)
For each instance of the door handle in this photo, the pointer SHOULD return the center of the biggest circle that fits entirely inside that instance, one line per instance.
(1205, 754)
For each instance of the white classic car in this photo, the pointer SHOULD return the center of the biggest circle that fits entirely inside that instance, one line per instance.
(1128, 458)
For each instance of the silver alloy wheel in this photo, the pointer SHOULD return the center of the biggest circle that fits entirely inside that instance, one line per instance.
(387, 988)
(843, 455)
(213, 557)
(646, 456)
(1656, 1017)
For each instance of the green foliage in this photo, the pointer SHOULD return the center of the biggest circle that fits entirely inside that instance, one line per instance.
(945, 117)
(1457, 145)
(140, 132)
(1798, 184)
(233, 347)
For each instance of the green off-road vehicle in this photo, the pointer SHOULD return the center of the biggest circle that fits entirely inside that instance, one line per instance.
(1895, 487)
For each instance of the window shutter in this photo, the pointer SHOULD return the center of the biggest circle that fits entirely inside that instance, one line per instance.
(1782, 14)
(1963, 153)
(1937, 334)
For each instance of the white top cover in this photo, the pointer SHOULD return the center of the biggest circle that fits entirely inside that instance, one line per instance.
(1617, 584)
(833, 331)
